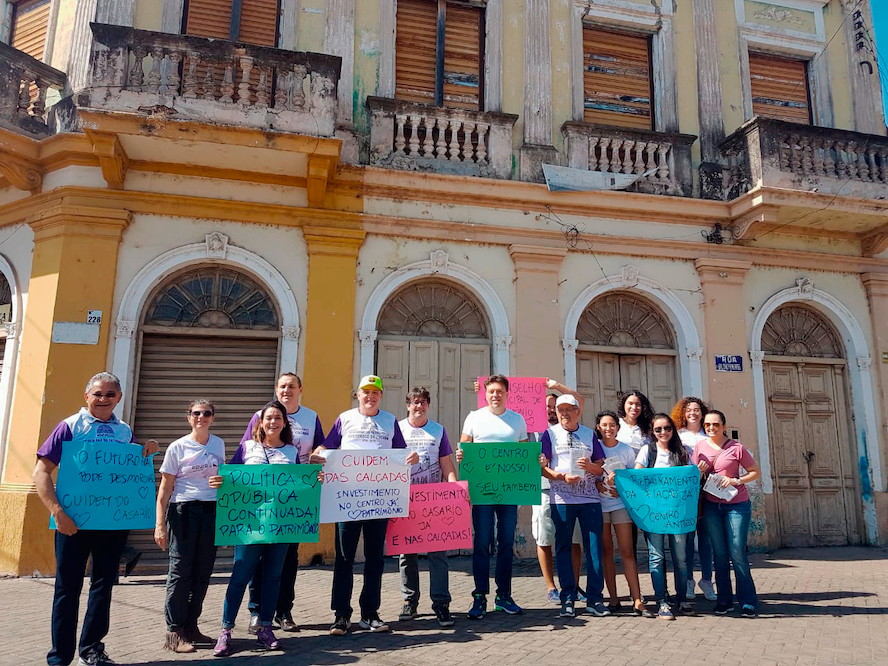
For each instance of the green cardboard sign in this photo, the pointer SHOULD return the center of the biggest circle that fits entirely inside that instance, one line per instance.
(268, 504)
(502, 473)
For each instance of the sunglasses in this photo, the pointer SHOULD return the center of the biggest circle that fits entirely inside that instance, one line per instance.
(663, 429)
(205, 413)
(713, 425)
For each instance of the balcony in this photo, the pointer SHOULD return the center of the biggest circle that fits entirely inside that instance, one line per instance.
(418, 137)
(777, 154)
(24, 85)
(211, 81)
(664, 157)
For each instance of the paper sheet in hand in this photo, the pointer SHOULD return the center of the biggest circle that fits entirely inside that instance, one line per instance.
(711, 487)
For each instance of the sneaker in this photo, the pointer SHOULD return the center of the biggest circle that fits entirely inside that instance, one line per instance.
(567, 609)
(581, 595)
(597, 609)
(665, 613)
(373, 623)
(689, 594)
(479, 607)
(223, 644)
(254, 625)
(408, 612)
(553, 597)
(286, 623)
(340, 626)
(707, 589)
(687, 608)
(442, 612)
(506, 604)
(265, 639)
(96, 658)
(747, 611)
(723, 609)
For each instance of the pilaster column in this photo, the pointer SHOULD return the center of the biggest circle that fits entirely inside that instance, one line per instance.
(709, 97)
(537, 118)
(114, 12)
(876, 285)
(73, 270)
(537, 334)
(339, 39)
(866, 94)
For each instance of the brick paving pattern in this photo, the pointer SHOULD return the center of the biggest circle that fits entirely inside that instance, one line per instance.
(817, 606)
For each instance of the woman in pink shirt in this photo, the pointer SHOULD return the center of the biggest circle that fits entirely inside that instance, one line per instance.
(727, 520)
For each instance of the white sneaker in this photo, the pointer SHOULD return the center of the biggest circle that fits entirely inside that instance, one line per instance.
(707, 589)
(689, 594)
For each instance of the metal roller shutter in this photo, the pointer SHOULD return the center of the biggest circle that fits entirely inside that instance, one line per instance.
(779, 88)
(236, 373)
(29, 24)
(617, 86)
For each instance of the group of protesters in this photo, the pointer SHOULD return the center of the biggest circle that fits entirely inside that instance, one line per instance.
(580, 505)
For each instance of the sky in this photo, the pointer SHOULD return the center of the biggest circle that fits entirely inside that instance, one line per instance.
(880, 24)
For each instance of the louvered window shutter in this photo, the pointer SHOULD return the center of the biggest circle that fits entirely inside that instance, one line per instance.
(617, 88)
(259, 22)
(209, 18)
(29, 24)
(779, 88)
(415, 50)
(212, 18)
(462, 57)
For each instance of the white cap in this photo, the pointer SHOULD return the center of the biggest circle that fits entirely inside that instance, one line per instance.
(567, 400)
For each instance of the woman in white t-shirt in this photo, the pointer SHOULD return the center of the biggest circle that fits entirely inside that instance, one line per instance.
(186, 522)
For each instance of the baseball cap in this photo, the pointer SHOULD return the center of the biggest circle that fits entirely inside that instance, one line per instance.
(567, 400)
(370, 382)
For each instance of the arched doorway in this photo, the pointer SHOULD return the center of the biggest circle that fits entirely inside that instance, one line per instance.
(433, 333)
(624, 343)
(809, 429)
(207, 332)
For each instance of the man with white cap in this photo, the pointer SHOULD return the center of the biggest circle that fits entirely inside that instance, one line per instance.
(364, 427)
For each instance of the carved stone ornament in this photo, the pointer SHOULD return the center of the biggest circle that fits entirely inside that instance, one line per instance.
(694, 353)
(570, 345)
(805, 286)
(780, 15)
(757, 357)
(217, 245)
(368, 338)
(629, 276)
(290, 332)
(13, 328)
(439, 259)
(503, 342)
(864, 362)
(126, 329)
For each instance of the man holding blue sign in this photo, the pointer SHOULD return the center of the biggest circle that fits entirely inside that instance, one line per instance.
(92, 428)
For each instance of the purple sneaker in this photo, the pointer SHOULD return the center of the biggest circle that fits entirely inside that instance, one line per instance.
(223, 644)
(265, 639)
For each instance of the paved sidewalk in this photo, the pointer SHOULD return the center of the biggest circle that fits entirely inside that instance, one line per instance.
(818, 606)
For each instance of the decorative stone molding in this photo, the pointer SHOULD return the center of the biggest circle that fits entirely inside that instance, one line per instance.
(217, 245)
(629, 276)
(440, 259)
(502, 342)
(875, 243)
(367, 338)
(290, 332)
(864, 362)
(13, 328)
(805, 286)
(757, 357)
(126, 328)
(23, 174)
(112, 157)
(772, 13)
(694, 353)
(570, 346)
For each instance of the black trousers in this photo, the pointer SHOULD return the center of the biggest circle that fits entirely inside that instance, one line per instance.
(192, 556)
(287, 592)
(347, 535)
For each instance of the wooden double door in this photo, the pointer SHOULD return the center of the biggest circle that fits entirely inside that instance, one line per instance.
(809, 431)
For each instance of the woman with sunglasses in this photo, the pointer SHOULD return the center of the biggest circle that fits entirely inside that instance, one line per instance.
(666, 451)
(186, 523)
(727, 520)
(688, 415)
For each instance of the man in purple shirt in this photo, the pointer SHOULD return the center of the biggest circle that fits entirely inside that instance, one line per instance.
(73, 546)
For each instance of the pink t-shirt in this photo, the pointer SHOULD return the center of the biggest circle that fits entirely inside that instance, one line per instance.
(728, 464)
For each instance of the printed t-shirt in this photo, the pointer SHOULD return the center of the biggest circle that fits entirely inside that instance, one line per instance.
(662, 458)
(193, 463)
(483, 426)
(84, 425)
(557, 443)
(632, 435)
(628, 455)
(431, 443)
(306, 428)
(354, 431)
(252, 452)
(733, 455)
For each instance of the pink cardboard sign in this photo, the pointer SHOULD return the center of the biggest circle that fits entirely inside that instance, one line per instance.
(527, 396)
(440, 518)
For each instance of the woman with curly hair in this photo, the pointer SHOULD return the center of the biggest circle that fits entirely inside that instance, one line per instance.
(636, 416)
(688, 415)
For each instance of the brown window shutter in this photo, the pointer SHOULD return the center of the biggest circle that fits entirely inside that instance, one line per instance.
(209, 18)
(259, 22)
(462, 57)
(779, 88)
(415, 49)
(617, 87)
(29, 24)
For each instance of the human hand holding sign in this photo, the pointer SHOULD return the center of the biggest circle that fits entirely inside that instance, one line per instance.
(150, 448)
(413, 458)
(572, 479)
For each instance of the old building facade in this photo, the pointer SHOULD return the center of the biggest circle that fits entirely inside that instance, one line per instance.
(197, 195)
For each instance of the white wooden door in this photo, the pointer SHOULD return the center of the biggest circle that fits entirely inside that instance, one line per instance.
(392, 361)
(449, 388)
(602, 377)
(423, 371)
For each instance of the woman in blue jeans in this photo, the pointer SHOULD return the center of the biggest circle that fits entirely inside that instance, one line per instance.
(272, 444)
(727, 520)
(666, 451)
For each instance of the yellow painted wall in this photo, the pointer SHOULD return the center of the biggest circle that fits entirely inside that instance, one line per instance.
(310, 27)
(686, 65)
(843, 117)
(366, 59)
(148, 14)
(729, 65)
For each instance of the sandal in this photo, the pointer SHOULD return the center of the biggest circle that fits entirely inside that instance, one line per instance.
(614, 608)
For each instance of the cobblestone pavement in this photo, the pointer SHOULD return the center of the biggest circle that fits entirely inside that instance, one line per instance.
(818, 606)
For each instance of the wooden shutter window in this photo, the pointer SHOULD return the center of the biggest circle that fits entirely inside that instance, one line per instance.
(779, 88)
(617, 87)
(208, 18)
(415, 50)
(462, 57)
(30, 21)
(259, 22)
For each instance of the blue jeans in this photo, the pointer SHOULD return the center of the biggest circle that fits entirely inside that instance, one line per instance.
(483, 521)
(728, 529)
(704, 550)
(565, 516)
(246, 559)
(657, 563)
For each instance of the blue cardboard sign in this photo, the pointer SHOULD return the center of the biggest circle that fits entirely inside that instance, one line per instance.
(106, 485)
(661, 500)
(728, 363)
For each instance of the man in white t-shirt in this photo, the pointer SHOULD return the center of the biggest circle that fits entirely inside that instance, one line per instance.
(429, 440)
(493, 423)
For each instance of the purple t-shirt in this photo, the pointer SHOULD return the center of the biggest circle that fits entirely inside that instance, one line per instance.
(563, 447)
(77, 423)
(354, 431)
(306, 427)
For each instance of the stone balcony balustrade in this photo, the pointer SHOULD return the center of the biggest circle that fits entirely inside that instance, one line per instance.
(664, 157)
(773, 153)
(420, 137)
(24, 85)
(211, 80)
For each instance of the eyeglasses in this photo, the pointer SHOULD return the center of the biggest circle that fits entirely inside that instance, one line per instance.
(419, 402)
(109, 394)
(663, 429)
(205, 413)
(713, 425)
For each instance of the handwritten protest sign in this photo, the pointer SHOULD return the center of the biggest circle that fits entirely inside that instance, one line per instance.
(527, 396)
(507, 473)
(440, 519)
(106, 485)
(267, 504)
(661, 500)
(365, 484)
